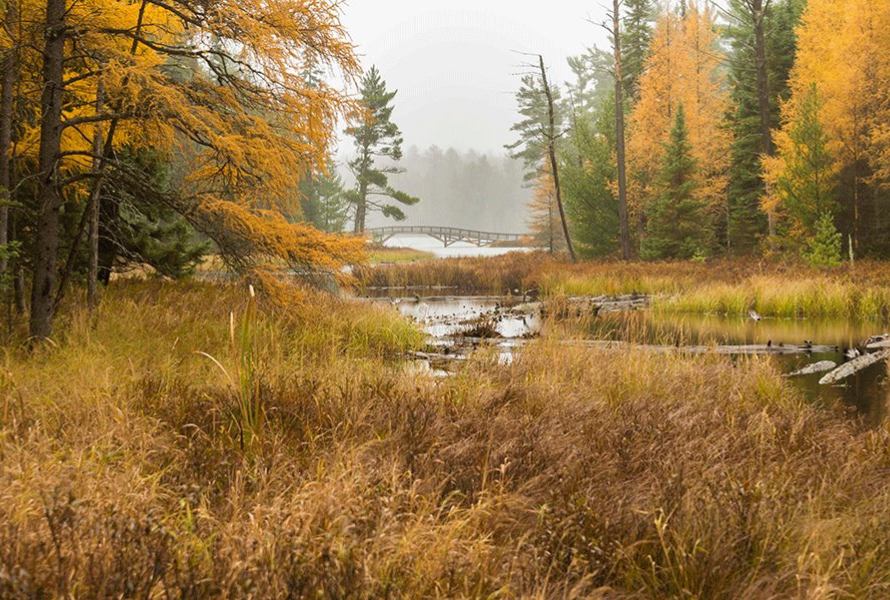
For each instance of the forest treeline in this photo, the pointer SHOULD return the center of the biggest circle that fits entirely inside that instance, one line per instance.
(748, 127)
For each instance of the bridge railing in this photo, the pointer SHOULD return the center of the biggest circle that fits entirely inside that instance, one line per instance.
(448, 232)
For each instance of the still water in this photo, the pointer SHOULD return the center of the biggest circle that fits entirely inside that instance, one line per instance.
(864, 394)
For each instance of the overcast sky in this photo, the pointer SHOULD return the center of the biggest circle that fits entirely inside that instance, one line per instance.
(454, 62)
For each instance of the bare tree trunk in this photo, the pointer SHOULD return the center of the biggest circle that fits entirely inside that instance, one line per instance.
(18, 275)
(361, 208)
(758, 13)
(623, 217)
(49, 201)
(7, 97)
(551, 150)
(93, 208)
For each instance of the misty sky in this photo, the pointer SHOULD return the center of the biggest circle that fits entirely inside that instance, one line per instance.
(454, 62)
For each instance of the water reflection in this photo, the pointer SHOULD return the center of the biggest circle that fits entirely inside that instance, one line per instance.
(452, 315)
(865, 393)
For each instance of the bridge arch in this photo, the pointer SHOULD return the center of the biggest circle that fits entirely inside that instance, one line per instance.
(446, 235)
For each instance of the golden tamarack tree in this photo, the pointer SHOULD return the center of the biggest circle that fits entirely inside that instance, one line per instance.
(843, 60)
(545, 223)
(683, 67)
(215, 86)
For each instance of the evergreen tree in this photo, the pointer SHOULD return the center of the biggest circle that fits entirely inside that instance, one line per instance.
(677, 226)
(804, 174)
(376, 137)
(825, 248)
(591, 85)
(136, 231)
(589, 172)
(747, 222)
(531, 147)
(323, 200)
(636, 38)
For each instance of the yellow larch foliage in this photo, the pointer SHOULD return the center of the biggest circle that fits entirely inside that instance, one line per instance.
(844, 50)
(683, 67)
(220, 91)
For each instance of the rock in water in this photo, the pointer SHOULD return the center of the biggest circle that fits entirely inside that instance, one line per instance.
(819, 367)
(854, 366)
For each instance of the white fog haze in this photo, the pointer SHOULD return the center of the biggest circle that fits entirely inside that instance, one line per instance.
(457, 67)
(456, 64)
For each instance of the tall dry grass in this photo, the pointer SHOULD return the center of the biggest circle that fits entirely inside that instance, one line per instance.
(500, 274)
(569, 473)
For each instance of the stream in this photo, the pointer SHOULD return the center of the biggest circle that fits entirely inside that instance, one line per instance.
(459, 324)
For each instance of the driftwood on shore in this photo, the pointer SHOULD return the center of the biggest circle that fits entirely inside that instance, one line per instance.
(820, 367)
(854, 366)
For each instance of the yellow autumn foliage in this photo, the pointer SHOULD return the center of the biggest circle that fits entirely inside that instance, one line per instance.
(683, 67)
(218, 90)
(844, 51)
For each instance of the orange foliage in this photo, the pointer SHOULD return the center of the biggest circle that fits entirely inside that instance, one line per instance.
(844, 49)
(683, 67)
(222, 94)
(545, 223)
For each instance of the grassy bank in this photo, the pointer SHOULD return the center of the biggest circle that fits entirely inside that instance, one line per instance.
(723, 287)
(124, 475)
(499, 275)
(382, 255)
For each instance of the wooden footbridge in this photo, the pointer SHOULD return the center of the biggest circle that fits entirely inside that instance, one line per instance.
(446, 235)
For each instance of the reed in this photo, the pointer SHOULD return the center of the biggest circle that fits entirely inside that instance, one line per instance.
(382, 255)
(727, 287)
(570, 472)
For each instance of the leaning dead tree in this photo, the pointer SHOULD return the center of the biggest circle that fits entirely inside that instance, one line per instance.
(550, 136)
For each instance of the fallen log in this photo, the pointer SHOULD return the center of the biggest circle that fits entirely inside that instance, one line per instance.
(878, 342)
(819, 367)
(854, 366)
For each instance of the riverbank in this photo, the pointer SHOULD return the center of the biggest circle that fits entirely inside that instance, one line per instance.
(382, 255)
(727, 287)
(126, 471)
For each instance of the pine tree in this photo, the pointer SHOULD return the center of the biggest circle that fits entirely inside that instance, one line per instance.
(747, 222)
(825, 248)
(323, 200)
(540, 131)
(530, 148)
(677, 227)
(376, 137)
(636, 38)
(591, 85)
(588, 180)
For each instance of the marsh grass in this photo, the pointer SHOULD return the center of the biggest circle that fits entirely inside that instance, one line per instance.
(569, 473)
(385, 255)
(499, 275)
(729, 287)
